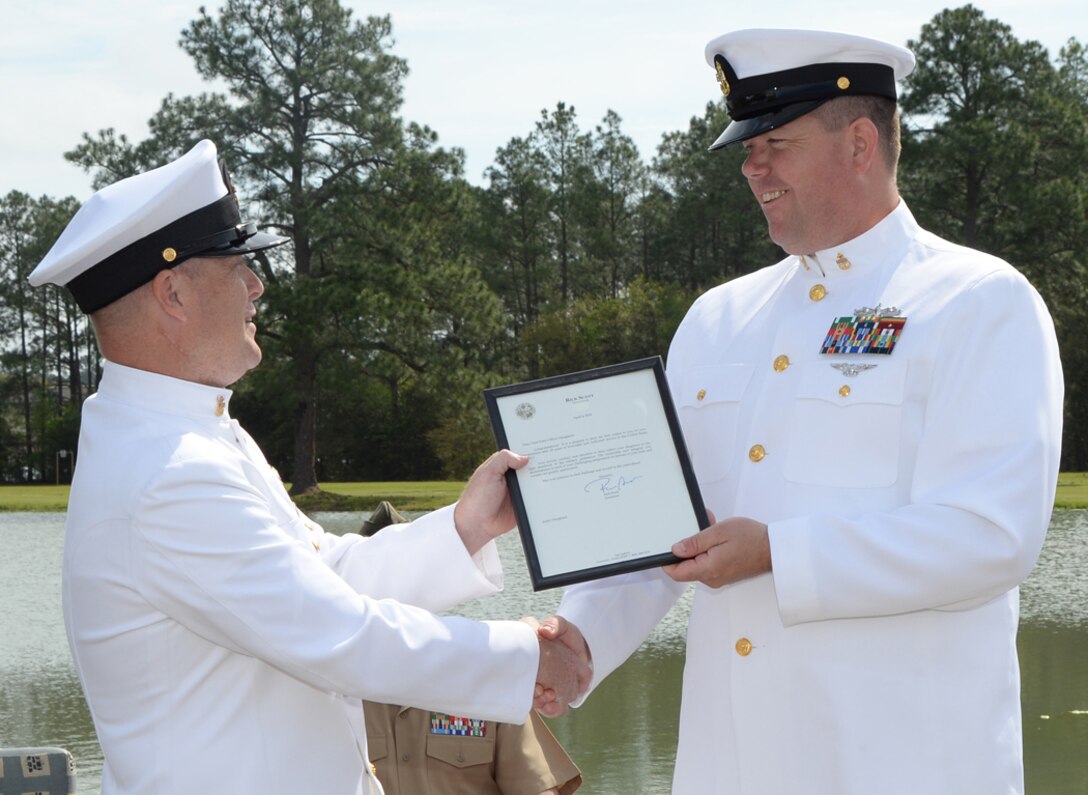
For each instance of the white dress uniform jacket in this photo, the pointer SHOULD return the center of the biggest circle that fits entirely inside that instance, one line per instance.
(224, 641)
(905, 504)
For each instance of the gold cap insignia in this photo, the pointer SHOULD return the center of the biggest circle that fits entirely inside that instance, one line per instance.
(843, 83)
(169, 254)
(722, 80)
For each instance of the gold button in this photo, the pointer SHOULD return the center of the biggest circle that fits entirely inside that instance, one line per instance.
(817, 292)
(781, 363)
(844, 391)
(843, 83)
(757, 453)
(701, 395)
(220, 405)
(842, 262)
(169, 254)
(744, 647)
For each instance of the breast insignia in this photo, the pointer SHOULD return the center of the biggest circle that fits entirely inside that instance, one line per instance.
(851, 369)
(872, 329)
(441, 723)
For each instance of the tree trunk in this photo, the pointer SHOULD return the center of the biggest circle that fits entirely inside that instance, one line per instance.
(24, 359)
(304, 466)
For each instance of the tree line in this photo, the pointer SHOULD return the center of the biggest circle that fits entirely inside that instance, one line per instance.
(407, 289)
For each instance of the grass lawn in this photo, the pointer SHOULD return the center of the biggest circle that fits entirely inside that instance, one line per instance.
(1072, 490)
(423, 496)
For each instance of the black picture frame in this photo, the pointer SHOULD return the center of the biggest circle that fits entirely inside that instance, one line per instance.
(675, 456)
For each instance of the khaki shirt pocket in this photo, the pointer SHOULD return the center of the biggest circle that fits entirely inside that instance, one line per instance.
(846, 430)
(377, 747)
(708, 402)
(461, 751)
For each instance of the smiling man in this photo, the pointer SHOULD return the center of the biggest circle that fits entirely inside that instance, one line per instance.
(223, 640)
(876, 419)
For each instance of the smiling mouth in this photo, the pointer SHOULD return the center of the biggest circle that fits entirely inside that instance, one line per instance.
(770, 196)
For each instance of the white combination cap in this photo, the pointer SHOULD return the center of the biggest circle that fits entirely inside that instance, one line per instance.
(771, 77)
(129, 231)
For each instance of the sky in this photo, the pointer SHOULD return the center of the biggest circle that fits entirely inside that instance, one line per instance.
(480, 71)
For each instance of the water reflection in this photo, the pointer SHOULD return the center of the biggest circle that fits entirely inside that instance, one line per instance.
(1053, 645)
(623, 738)
(1057, 590)
(41, 702)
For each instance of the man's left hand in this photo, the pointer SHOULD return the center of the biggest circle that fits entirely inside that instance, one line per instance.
(484, 511)
(726, 552)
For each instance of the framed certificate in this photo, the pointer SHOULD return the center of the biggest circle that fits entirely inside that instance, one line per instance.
(609, 487)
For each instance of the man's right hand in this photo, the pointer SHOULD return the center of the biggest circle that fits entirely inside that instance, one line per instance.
(484, 511)
(556, 631)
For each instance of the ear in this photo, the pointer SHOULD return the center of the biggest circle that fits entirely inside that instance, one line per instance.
(169, 291)
(865, 139)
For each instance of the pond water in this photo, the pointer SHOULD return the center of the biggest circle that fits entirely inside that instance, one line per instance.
(624, 737)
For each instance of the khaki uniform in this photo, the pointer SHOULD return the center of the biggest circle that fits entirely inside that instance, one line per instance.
(414, 756)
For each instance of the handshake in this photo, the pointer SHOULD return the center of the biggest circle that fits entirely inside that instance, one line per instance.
(485, 512)
(565, 668)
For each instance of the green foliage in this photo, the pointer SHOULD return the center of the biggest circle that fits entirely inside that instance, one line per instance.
(995, 156)
(377, 288)
(595, 332)
(462, 438)
(610, 201)
(704, 225)
(407, 291)
(512, 229)
(987, 143)
(48, 361)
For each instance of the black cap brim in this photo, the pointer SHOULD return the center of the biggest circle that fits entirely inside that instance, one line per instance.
(258, 241)
(744, 129)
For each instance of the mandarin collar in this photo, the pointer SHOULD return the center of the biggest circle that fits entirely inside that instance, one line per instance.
(882, 244)
(162, 393)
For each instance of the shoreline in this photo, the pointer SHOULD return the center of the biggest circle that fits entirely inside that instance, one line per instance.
(1072, 494)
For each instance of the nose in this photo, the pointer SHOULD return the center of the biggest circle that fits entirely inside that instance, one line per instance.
(755, 163)
(253, 281)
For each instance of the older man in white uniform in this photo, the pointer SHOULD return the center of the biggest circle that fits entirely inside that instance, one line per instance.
(879, 416)
(224, 641)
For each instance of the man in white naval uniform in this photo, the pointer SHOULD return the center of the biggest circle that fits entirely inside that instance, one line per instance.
(223, 640)
(877, 421)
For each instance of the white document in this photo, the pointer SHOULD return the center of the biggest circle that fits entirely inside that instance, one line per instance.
(606, 482)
